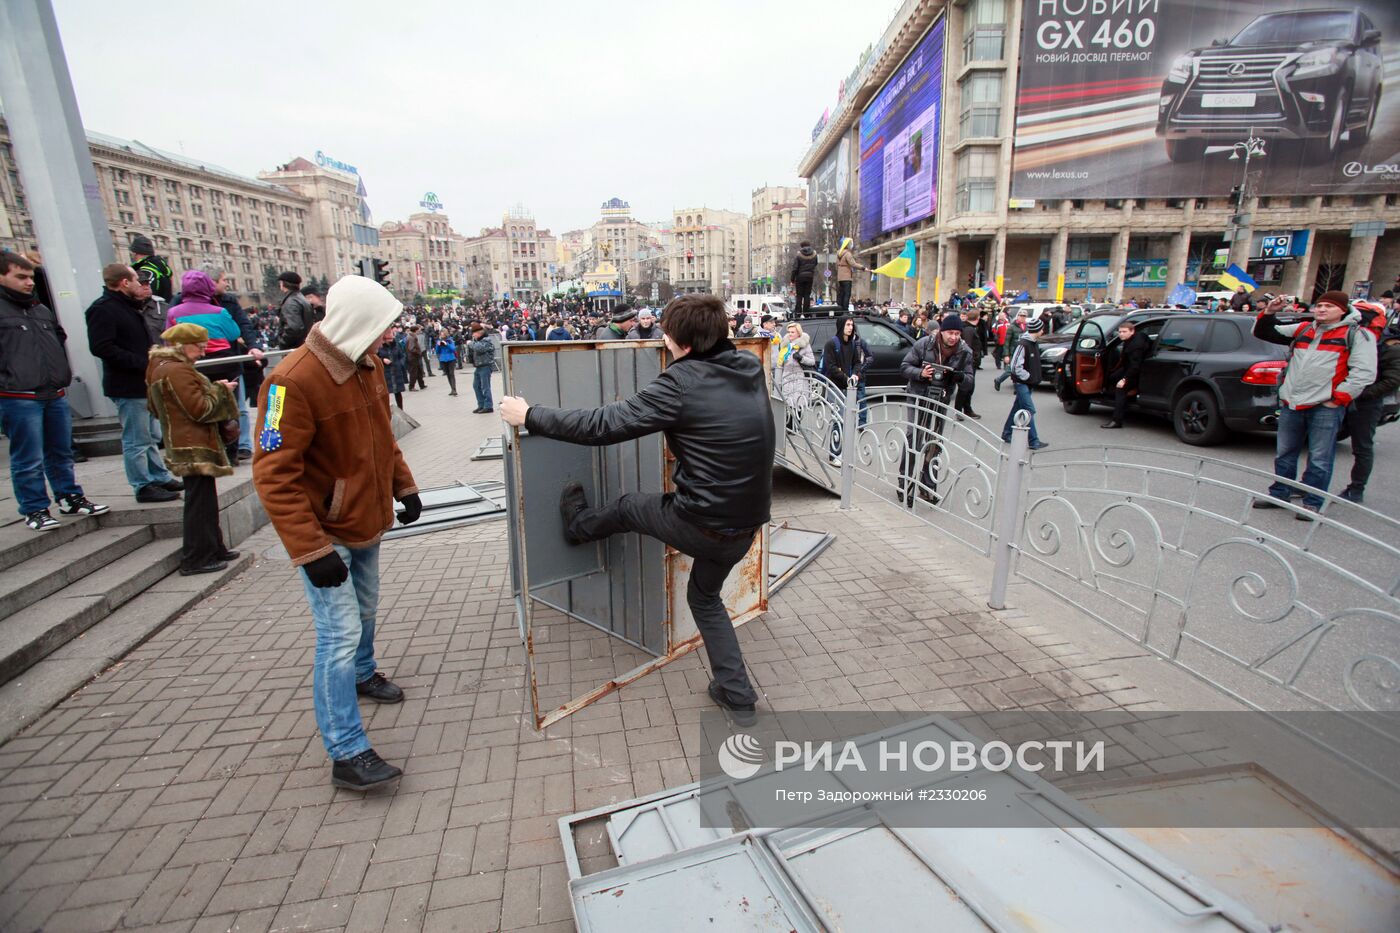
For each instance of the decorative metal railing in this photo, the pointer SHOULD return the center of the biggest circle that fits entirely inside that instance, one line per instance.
(1162, 546)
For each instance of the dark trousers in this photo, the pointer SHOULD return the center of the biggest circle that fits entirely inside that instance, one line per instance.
(1120, 403)
(415, 372)
(449, 369)
(1363, 415)
(204, 542)
(714, 555)
(964, 402)
(843, 295)
(804, 294)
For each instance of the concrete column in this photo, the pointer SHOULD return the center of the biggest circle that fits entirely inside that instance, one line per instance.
(1295, 278)
(1118, 265)
(60, 183)
(1176, 261)
(1059, 249)
(1359, 256)
(949, 274)
(928, 269)
(996, 260)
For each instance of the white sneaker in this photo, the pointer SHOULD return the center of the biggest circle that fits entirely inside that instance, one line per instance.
(40, 520)
(80, 505)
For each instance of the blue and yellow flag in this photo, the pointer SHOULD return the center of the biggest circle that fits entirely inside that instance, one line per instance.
(902, 266)
(1233, 277)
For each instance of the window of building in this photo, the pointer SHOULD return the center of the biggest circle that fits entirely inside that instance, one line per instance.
(128, 217)
(984, 31)
(173, 205)
(977, 181)
(981, 105)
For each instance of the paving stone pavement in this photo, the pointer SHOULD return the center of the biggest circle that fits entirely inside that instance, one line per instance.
(186, 788)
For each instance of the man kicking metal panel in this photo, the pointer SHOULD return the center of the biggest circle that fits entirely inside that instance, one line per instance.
(712, 403)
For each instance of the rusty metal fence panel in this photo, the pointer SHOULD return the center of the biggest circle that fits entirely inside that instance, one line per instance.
(630, 587)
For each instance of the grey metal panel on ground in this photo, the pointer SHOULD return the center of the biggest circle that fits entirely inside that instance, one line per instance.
(453, 506)
(790, 550)
(545, 467)
(728, 885)
(489, 449)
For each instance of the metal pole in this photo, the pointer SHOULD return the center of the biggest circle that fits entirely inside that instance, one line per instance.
(1008, 520)
(60, 184)
(848, 446)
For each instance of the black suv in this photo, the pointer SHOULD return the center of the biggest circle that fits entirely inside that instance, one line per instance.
(888, 343)
(1208, 373)
(1308, 75)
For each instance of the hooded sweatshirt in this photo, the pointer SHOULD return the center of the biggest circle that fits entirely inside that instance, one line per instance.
(358, 312)
(199, 306)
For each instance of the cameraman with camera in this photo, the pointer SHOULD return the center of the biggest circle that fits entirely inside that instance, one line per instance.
(935, 368)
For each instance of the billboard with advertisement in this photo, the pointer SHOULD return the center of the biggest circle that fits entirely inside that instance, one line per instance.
(1149, 98)
(899, 133)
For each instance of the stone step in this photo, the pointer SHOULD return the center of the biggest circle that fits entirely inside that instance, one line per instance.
(25, 584)
(29, 636)
(65, 670)
(18, 543)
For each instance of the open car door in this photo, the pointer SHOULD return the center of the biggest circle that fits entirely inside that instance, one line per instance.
(1089, 353)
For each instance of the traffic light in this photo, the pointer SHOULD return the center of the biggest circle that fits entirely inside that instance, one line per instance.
(381, 271)
(367, 268)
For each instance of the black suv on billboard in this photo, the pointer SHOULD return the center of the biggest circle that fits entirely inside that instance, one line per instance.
(1308, 75)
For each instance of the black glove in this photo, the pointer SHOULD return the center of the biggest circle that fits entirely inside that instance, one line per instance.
(327, 571)
(412, 508)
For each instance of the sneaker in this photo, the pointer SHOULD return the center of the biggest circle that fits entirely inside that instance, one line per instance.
(834, 461)
(380, 689)
(156, 493)
(1268, 502)
(1352, 494)
(743, 715)
(1041, 446)
(40, 521)
(571, 502)
(174, 485)
(80, 505)
(478, 410)
(1307, 514)
(1111, 424)
(363, 771)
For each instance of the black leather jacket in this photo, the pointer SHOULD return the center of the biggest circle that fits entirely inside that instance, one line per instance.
(33, 361)
(926, 350)
(718, 421)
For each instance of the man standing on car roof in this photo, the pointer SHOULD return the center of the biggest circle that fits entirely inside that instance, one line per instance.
(1330, 360)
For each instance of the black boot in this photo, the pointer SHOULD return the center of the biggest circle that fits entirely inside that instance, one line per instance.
(743, 715)
(363, 771)
(571, 502)
(380, 689)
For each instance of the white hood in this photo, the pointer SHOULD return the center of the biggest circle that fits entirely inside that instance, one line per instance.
(358, 311)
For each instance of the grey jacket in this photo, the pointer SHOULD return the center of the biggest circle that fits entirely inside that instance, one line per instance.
(1325, 367)
(296, 318)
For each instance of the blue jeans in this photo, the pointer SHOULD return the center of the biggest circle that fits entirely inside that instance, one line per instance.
(41, 444)
(344, 620)
(140, 434)
(1313, 428)
(1023, 402)
(481, 385)
(245, 435)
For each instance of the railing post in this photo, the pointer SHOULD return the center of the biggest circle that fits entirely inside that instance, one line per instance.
(1013, 470)
(848, 446)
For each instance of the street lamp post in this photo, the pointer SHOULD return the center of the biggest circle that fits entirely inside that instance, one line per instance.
(1245, 149)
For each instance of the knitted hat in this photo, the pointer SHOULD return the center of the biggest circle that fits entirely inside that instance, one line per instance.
(291, 278)
(185, 333)
(1340, 299)
(951, 322)
(141, 244)
(1035, 327)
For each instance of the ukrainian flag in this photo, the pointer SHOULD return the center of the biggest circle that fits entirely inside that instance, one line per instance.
(1233, 277)
(902, 266)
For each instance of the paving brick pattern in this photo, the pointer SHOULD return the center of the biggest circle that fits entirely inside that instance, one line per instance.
(186, 788)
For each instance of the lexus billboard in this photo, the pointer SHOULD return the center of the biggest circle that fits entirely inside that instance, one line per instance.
(1143, 98)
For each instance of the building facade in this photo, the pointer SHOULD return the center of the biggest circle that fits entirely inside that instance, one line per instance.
(192, 211)
(709, 251)
(425, 255)
(776, 227)
(1079, 247)
(340, 224)
(516, 260)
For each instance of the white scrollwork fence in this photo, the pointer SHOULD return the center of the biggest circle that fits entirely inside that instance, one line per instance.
(1162, 546)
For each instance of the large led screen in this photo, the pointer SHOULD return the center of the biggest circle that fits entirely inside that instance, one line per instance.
(1143, 98)
(899, 142)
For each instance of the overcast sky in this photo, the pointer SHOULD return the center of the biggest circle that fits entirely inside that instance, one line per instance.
(556, 105)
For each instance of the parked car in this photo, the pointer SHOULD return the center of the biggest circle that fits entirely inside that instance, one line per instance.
(1306, 75)
(1208, 374)
(888, 343)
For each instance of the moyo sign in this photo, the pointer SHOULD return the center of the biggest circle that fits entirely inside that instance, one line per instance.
(326, 161)
(431, 202)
